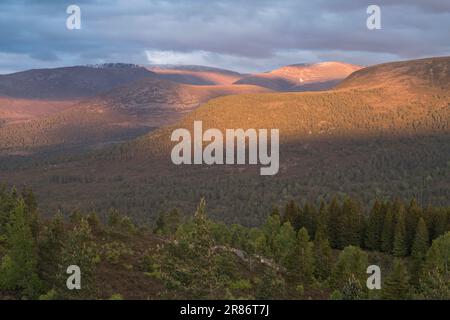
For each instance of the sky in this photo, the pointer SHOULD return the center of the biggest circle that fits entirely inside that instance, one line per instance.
(241, 35)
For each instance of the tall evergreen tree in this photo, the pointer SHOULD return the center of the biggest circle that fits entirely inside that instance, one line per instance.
(374, 228)
(352, 262)
(420, 247)
(301, 262)
(435, 280)
(400, 248)
(413, 214)
(18, 270)
(322, 256)
(292, 215)
(396, 286)
(352, 223)
(335, 224)
(387, 236)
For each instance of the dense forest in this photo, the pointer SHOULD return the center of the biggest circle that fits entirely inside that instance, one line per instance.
(303, 251)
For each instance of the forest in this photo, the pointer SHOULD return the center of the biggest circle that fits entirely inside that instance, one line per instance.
(301, 251)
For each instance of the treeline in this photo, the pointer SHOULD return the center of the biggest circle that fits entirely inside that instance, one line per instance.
(308, 252)
(322, 250)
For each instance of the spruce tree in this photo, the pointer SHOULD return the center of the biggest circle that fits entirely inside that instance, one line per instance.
(335, 224)
(413, 214)
(400, 248)
(374, 228)
(322, 256)
(396, 286)
(387, 236)
(352, 261)
(18, 270)
(420, 247)
(292, 215)
(435, 279)
(301, 262)
(352, 223)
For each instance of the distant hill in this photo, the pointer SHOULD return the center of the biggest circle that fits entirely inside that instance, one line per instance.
(429, 74)
(69, 83)
(126, 110)
(302, 77)
(196, 75)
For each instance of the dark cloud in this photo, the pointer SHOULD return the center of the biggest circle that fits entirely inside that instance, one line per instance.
(246, 35)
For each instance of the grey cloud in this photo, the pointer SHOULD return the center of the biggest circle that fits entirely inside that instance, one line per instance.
(253, 34)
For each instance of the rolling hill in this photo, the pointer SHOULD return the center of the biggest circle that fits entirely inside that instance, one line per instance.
(370, 138)
(70, 82)
(196, 75)
(302, 77)
(121, 113)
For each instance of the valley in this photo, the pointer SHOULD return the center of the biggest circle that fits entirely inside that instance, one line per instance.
(383, 132)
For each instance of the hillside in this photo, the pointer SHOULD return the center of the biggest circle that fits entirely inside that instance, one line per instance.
(386, 141)
(69, 83)
(302, 77)
(196, 75)
(125, 111)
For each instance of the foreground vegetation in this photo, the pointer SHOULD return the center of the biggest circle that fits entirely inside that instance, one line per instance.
(308, 252)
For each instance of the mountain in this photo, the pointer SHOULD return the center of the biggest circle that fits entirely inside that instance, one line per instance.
(70, 82)
(382, 133)
(125, 111)
(196, 75)
(428, 74)
(302, 77)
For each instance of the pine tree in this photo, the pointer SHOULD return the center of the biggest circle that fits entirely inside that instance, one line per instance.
(50, 250)
(203, 279)
(301, 262)
(352, 223)
(353, 290)
(374, 228)
(322, 256)
(400, 248)
(387, 236)
(396, 286)
(307, 217)
(284, 243)
(352, 261)
(292, 214)
(420, 247)
(435, 280)
(18, 270)
(335, 224)
(81, 250)
(413, 214)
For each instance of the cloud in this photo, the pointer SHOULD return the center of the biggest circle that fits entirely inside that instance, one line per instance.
(245, 35)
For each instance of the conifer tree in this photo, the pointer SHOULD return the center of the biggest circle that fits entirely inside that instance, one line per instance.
(292, 215)
(352, 261)
(353, 290)
(413, 214)
(18, 270)
(387, 236)
(335, 224)
(374, 228)
(307, 217)
(301, 262)
(284, 243)
(322, 256)
(400, 248)
(352, 224)
(396, 286)
(434, 283)
(420, 247)
(50, 250)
